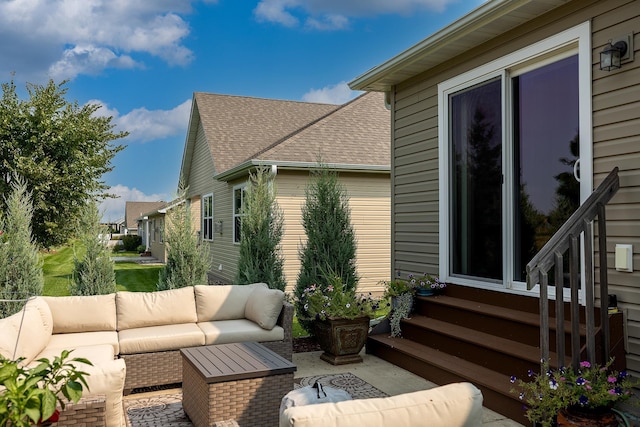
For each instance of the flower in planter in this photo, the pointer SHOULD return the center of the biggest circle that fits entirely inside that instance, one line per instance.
(591, 386)
(431, 282)
(397, 287)
(335, 301)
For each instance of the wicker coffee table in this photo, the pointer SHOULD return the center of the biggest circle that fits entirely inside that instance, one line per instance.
(241, 381)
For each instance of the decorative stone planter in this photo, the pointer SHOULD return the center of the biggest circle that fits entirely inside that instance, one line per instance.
(342, 339)
(598, 417)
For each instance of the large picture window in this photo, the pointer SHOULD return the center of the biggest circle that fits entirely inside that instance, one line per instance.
(515, 147)
(207, 217)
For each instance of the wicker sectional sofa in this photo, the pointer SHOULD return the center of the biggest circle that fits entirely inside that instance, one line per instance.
(133, 338)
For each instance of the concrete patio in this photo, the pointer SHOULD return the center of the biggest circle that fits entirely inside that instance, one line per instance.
(377, 372)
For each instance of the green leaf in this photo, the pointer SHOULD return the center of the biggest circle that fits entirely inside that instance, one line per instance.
(48, 404)
(73, 391)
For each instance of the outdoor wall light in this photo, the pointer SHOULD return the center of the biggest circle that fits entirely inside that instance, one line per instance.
(612, 54)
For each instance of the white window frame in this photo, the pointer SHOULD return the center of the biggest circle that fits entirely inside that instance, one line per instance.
(235, 215)
(576, 40)
(205, 217)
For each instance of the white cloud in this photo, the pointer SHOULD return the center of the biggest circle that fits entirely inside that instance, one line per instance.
(112, 209)
(146, 125)
(70, 37)
(335, 94)
(334, 14)
(88, 59)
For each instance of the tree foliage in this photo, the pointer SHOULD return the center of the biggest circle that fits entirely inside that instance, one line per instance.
(262, 227)
(331, 241)
(187, 261)
(20, 265)
(60, 148)
(93, 272)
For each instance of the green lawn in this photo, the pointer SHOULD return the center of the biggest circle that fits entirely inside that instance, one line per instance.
(130, 276)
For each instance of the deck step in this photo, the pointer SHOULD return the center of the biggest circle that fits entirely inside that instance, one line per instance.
(491, 319)
(442, 368)
(497, 353)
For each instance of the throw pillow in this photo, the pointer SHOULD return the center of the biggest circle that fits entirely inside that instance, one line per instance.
(264, 306)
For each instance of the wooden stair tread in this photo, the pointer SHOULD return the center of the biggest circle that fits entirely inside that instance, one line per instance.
(503, 312)
(469, 371)
(482, 339)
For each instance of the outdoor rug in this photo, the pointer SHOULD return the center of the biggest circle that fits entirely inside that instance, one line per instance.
(166, 409)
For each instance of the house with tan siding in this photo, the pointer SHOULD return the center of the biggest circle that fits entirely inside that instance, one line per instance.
(229, 136)
(502, 124)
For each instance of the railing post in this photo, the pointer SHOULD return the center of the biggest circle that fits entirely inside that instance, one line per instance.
(604, 281)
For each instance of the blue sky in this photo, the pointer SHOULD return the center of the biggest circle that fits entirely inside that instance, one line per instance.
(142, 61)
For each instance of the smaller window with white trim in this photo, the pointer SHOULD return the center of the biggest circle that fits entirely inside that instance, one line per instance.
(238, 200)
(207, 217)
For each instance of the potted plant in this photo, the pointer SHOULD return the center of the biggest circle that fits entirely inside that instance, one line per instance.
(340, 317)
(569, 395)
(31, 395)
(428, 285)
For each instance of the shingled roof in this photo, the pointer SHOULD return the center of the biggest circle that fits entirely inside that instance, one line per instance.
(134, 210)
(243, 129)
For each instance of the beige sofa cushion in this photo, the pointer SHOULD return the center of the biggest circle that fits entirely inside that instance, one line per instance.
(89, 313)
(264, 306)
(223, 302)
(82, 339)
(96, 354)
(142, 309)
(230, 331)
(453, 405)
(30, 328)
(160, 338)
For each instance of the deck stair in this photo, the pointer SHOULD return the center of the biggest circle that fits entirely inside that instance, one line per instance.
(475, 335)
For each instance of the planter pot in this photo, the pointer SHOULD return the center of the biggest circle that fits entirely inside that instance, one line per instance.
(425, 292)
(585, 417)
(395, 303)
(342, 339)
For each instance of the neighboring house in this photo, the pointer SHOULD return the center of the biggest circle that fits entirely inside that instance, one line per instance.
(133, 211)
(490, 117)
(151, 230)
(229, 136)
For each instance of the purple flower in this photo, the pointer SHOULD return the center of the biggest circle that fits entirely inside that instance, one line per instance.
(611, 379)
(585, 364)
(513, 379)
(580, 381)
(583, 400)
(530, 373)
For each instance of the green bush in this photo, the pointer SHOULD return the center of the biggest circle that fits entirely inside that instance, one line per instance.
(187, 261)
(260, 257)
(93, 273)
(131, 242)
(331, 241)
(20, 265)
(141, 248)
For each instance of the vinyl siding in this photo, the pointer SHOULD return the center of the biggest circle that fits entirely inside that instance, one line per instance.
(616, 136)
(616, 142)
(370, 212)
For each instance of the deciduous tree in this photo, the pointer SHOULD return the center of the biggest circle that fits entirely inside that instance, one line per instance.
(61, 149)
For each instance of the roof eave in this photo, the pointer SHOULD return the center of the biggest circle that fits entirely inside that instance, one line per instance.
(244, 168)
(386, 75)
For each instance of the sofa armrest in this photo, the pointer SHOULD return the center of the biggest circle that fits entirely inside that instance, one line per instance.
(285, 320)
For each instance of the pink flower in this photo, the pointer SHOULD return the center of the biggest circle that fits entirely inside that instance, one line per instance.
(330, 288)
(611, 379)
(585, 364)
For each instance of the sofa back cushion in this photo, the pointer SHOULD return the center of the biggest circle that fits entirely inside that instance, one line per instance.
(452, 405)
(264, 306)
(142, 309)
(90, 313)
(223, 302)
(31, 329)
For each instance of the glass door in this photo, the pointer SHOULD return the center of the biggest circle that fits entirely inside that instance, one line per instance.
(546, 156)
